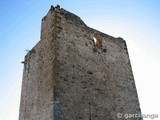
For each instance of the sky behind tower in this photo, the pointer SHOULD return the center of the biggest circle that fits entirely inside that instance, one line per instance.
(136, 21)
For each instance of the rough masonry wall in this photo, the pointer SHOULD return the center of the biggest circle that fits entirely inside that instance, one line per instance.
(66, 77)
(38, 81)
(94, 83)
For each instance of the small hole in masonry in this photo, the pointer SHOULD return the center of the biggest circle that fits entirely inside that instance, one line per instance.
(104, 50)
(89, 72)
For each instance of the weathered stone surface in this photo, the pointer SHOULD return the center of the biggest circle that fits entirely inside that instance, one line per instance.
(66, 77)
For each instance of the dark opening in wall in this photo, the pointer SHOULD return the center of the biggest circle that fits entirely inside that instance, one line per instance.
(89, 72)
(104, 50)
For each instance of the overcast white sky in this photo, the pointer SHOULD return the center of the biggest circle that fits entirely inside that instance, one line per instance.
(136, 21)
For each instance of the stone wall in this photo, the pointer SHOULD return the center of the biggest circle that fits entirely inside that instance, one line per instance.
(67, 77)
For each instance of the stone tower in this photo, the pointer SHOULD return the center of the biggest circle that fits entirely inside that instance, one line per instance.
(76, 73)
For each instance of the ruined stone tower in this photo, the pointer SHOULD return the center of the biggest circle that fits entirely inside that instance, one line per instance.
(76, 73)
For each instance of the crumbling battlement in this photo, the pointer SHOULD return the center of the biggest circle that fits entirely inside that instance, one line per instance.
(68, 76)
